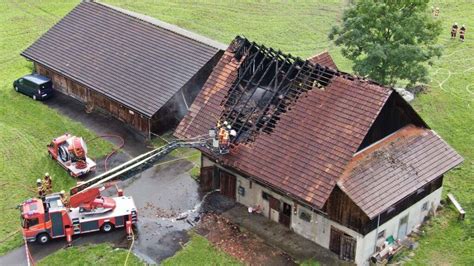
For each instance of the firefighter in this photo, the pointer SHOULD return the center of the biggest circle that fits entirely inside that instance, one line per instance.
(48, 183)
(64, 198)
(462, 32)
(40, 188)
(222, 131)
(454, 30)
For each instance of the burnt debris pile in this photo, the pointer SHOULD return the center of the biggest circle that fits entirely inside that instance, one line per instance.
(268, 83)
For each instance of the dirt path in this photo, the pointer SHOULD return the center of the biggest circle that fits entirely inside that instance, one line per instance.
(244, 246)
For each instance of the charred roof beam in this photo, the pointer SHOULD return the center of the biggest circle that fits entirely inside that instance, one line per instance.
(277, 90)
(236, 84)
(263, 96)
(272, 61)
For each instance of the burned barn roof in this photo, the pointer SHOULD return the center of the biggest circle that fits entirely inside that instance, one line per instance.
(135, 60)
(298, 123)
(323, 59)
(395, 167)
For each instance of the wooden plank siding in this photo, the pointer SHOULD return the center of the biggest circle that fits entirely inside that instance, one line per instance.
(342, 209)
(96, 100)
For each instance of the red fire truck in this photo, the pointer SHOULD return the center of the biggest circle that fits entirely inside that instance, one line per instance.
(88, 211)
(71, 153)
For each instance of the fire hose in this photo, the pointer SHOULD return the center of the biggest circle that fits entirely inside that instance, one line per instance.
(29, 257)
(130, 249)
(115, 150)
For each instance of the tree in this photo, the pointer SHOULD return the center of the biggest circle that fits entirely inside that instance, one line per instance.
(389, 40)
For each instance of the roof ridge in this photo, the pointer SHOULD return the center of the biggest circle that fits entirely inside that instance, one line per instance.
(166, 26)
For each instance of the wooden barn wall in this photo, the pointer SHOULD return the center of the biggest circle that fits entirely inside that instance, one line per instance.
(94, 99)
(340, 208)
(395, 114)
(169, 116)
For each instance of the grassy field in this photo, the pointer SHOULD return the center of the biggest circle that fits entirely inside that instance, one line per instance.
(296, 27)
(198, 251)
(26, 127)
(102, 254)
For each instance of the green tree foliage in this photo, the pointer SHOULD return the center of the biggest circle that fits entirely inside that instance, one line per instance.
(389, 40)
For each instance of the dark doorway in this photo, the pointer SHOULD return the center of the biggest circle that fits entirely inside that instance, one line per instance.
(285, 215)
(206, 178)
(227, 184)
(342, 244)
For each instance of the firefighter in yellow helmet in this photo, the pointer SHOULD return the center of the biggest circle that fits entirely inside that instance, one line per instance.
(47, 183)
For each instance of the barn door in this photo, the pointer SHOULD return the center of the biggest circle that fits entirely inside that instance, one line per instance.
(402, 227)
(227, 184)
(348, 247)
(274, 210)
(342, 244)
(206, 178)
(335, 240)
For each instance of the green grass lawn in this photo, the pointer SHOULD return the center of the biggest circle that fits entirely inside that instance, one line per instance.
(26, 127)
(102, 254)
(299, 28)
(198, 251)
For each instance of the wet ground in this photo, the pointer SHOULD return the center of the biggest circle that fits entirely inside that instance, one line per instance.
(166, 195)
(168, 201)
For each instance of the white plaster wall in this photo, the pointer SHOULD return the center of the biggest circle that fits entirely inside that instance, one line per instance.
(319, 228)
(415, 217)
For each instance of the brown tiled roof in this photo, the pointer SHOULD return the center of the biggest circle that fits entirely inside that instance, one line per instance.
(134, 61)
(312, 142)
(323, 59)
(395, 167)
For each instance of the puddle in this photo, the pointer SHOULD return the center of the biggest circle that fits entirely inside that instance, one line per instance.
(168, 203)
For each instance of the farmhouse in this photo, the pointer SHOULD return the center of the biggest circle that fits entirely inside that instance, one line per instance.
(141, 70)
(340, 160)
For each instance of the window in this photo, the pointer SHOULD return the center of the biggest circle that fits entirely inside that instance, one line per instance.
(31, 222)
(381, 234)
(424, 207)
(305, 216)
(265, 195)
(250, 184)
(241, 191)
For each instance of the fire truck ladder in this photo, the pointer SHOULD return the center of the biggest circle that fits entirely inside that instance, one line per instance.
(138, 164)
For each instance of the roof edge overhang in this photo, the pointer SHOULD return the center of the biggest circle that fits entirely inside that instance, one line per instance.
(87, 85)
(302, 201)
(170, 27)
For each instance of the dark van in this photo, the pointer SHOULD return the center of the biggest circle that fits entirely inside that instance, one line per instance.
(36, 86)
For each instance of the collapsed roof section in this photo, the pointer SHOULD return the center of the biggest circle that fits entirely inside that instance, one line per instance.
(302, 147)
(268, 82)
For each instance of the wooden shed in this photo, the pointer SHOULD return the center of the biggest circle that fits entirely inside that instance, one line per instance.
(142, 71)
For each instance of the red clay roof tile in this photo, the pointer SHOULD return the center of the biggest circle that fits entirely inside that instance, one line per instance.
(311, 144)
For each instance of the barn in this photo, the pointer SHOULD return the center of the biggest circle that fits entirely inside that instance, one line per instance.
(142, 71)
(339, 159)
